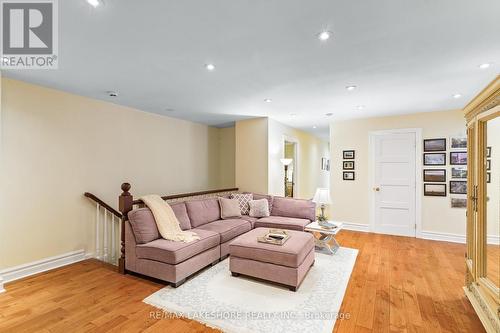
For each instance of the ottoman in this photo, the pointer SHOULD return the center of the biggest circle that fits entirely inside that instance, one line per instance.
(285, 264)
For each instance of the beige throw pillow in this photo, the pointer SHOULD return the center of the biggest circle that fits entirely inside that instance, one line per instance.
(229, 208)
(259, 208)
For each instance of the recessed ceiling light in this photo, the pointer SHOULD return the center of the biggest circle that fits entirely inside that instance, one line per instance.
(484, 66)
(293, 115)
(360, 107)
(112, 93)
(457, 95)
(329, 114)
(314, 127)
(94, 3)
(351, 88)
(268, 100)
(210, 67)
(169, 110)
(324, 35)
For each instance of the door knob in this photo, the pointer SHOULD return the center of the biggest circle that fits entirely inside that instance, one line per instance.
(376, 189)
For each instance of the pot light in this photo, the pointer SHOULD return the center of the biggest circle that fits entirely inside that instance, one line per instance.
(484, 66)
(324, 35)
(169, 110)
(210, 67)
(268, 100)
(457, 95)
(94, 3)
(329, 114)
(350, 88)
(360, 107)
(112, 93)
(293, 115)
(315, 127)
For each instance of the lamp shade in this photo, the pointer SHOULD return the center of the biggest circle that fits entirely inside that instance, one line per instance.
(322, 196)
(286, 161)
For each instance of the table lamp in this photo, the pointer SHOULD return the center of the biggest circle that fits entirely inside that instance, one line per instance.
(322, 197)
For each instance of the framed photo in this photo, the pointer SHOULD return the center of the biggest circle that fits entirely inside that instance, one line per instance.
(459, 172)
(327, 164)
(458, 158)
(488, 151)
(348, 175)
(488, 165)
(348, 154)
(458, 203)
(458, 187)
(458, 143)
(488, 177)
(435, 159)
(435, 190)
(323, 163)
(348, 165)
(435, 145)
(435, 175)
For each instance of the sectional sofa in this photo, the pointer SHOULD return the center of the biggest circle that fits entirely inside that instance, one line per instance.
(149, 254)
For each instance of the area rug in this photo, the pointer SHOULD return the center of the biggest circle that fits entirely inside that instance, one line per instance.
(244, 305)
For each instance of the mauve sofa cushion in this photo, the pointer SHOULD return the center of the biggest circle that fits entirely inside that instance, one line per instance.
(180, 212)
(280, 222)
(269, 199)
(143, 225)
(228, 229)
(301, 209)
(250, 219)
(172, 253)
(203, 211)
(290, 254)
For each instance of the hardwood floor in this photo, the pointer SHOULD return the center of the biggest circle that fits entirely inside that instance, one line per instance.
(399, 284)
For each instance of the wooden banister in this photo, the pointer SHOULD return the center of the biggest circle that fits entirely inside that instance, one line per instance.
(187, 195)
(103, 204)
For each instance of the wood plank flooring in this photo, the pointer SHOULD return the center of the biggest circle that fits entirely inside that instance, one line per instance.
(399, 284)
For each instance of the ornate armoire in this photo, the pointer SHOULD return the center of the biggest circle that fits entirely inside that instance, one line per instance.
(482, 259)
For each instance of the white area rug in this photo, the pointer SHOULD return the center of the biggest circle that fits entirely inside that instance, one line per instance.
(241, 305)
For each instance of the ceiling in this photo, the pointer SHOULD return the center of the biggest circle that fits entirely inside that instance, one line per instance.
(404, 56)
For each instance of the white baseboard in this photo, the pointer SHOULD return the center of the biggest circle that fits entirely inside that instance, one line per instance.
(444, 237)
(493, 240)
(39, 266)
(356, 227)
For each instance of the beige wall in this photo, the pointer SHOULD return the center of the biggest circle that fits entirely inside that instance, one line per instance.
(251, 155)
(227, 151)
(57, 145)
(310, 150)
(351, 198)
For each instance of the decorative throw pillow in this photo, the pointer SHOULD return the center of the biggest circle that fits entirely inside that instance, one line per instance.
(259, 208)
(229, 208)
(243, 200)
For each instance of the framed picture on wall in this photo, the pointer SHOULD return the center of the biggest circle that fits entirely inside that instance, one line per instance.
(435, 175)
(458, 158)
(459, 172)
(488, 177)
(458, 203)
(458, 143)
(348, 175)
(434, 145)
(435, 159)
(488, 165)
(435, 190)
(327, 164)
(348, 165)
(348, 154)
(488, 151)
(458, 187)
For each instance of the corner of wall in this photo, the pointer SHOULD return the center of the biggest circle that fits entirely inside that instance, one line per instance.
(1, 285)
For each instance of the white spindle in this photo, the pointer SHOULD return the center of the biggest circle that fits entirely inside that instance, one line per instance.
(97, 218)
(105, 238)
(113, 239)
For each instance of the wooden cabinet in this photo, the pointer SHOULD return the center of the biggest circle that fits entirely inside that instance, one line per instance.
(482, 280)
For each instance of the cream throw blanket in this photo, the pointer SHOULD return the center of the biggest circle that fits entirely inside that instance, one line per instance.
(166, 221)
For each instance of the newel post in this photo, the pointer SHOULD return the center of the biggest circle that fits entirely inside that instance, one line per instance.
(125, 204)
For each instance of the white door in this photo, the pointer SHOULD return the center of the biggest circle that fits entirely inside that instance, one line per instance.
(394, 187)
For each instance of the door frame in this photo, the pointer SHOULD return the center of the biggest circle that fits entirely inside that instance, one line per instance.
(295, 162)
(418, 175)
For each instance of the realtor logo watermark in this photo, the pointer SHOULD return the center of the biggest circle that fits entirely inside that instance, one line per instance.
(29, 33)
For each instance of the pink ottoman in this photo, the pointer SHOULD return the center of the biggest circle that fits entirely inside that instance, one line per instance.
(287, 264)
